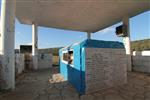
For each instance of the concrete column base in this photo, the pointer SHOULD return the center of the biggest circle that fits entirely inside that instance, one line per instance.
(35, 62)
(129, 63)
(7, 81)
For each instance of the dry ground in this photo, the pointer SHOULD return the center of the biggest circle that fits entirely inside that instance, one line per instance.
(48, 85)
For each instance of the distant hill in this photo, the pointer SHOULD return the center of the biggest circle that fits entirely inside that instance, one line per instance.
(140, 45)
(135, 45)
(54, 51)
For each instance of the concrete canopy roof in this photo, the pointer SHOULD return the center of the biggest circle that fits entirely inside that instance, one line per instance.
(78, 15)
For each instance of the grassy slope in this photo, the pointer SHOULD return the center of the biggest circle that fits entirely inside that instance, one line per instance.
(135, 45)
(140, 45)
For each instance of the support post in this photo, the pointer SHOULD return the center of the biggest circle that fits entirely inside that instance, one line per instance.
(127, 43)
(35, 46)
(88, 35)
(7, 44)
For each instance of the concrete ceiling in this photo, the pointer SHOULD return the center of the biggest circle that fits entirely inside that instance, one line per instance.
(78, 15)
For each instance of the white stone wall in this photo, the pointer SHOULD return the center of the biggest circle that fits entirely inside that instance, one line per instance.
(141, 53)
(19, 63)
(45, 61)
(141, 61)
(105, 68)
(1, 79)
(0, 61)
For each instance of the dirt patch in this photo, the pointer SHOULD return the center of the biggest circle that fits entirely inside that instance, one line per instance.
(49, 85)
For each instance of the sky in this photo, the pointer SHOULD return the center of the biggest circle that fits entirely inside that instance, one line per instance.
(51, 37)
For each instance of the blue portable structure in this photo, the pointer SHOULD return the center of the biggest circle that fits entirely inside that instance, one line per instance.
(74, 71)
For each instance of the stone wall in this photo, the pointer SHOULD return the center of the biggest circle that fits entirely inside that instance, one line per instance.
(141, 61)
(1, 80)
(0, 61)
(44, 61)
(28, 61)
(105, 68)
(19, 63)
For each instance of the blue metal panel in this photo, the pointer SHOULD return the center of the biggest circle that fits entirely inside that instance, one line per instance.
(102, 44)
(74, 72)
(83, 64)
(64, 70)
(63, 66)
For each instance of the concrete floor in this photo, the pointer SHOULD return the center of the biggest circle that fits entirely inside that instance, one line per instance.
(49, 85)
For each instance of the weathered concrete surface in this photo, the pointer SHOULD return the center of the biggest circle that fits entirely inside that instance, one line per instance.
(40, 86)
(141, 61)
(127, 42)
(7, 43)
(1, 79)
(35, 46)
(45, 61)
(34, 62)
(28, 61)
(78, 15)
(19, 63)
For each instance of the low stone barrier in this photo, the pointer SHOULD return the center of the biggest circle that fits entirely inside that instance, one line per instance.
(1, 81)
(19, 63)
(45, 61)
(141, 61)
(0, 62)
(24, 62)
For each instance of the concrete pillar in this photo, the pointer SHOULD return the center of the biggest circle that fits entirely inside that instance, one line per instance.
(7, 40)
(35, 46)
(88, 35)
(127, 43)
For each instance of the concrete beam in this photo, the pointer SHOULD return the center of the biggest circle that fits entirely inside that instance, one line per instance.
(7, 40)
(89, 35)
(127, 43)
(35, 45)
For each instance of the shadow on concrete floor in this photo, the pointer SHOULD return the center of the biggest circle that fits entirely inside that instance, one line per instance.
(48, 84)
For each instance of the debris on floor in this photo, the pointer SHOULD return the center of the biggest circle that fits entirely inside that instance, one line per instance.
(44, 85)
